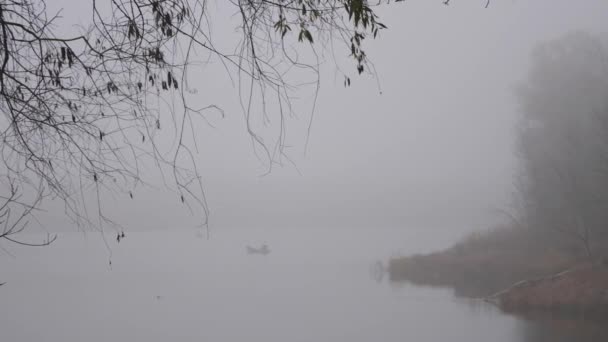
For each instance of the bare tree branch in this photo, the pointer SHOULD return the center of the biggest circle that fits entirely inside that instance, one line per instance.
(82, 114)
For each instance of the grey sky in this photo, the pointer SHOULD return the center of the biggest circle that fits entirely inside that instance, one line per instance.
(434, 149)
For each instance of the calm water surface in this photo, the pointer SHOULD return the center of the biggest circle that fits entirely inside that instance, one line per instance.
(315, 285)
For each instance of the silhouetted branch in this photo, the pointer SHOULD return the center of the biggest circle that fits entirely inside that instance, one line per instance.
(81, 111)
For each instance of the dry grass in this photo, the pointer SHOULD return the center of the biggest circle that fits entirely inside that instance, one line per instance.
(583, 289)
(485, 263)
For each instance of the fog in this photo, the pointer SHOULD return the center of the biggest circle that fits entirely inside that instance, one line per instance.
(428, 143)
(406, 160)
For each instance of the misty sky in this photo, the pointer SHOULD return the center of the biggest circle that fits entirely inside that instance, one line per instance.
(433, 148)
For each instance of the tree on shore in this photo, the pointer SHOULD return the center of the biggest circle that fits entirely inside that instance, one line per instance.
(563, 139)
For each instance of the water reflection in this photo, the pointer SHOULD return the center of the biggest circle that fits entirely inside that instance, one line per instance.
(175, 287)
(377, 271)
(556, 328)
(545, 326)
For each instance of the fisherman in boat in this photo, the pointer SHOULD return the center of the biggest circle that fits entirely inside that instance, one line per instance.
(264, 250)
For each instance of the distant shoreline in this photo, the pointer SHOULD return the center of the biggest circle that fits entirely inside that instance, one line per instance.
(504, 268)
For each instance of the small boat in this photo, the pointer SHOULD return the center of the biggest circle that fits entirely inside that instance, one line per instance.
(263, 250)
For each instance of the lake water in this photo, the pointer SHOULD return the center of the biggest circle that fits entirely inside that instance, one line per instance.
(315, 285)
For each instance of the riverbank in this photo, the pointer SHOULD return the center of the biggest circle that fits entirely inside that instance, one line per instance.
(515, 270)
(583, 289)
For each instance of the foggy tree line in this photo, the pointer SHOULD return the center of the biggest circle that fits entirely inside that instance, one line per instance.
(563, 141)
